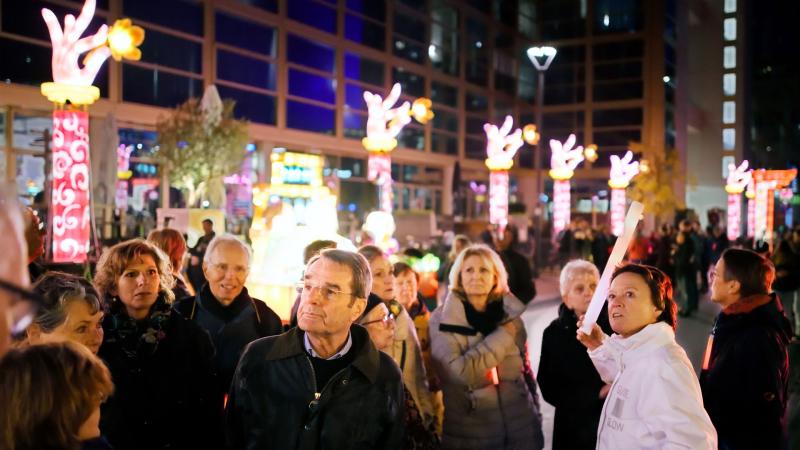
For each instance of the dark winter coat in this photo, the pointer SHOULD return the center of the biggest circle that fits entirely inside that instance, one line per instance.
(570, 382)
(163, 400)
(745, 378)
(274, 402)
(231, 327)
(520, 279)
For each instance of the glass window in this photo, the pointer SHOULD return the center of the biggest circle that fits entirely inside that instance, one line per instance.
(24, 63)
(413, 84)
(310, 54)
(443, 49)
(612, 16)
(728, 139)
(729, 57)
(631, 49)
(24, 17)
(561, 94)
(181, 15)
(504, 11)
(729, 26)
(170, 51)
(364, 32)
(615, 91)
(444, 120)
(615, 117)
(30, 175)
(312, 13)
(444, 13)
(357, 67)
(250, 105)
(412, 137)
(249, 71)
(527, 77)
(526, 22)
(314, 87)
(354, 97)
(29, 131)
(476, 102)
(356, 166)
(444, 143)
(619, 138)
(410, 172)
(409, 26)
(245, 34)
(475, 148)
(618, 70)
(303, 116)
(505, 73)
(355, 125)
(730, 6)
(409, 49)
(2, 128)
(266, 5)
(558, 19)
(156, 87)
(444, 94)
(414, 4)
(477, 59)
(729, 84)
(475, 124)
(374, 9)
(729, 112)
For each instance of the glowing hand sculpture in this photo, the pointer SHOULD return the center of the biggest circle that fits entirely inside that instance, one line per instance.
(622, 170)
(385, 122)
(501, 146)
(564, 159)
(68, 46)
(738, 178)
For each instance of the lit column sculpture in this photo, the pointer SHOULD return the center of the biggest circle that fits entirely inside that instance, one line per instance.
(766, 182)
(383, 125)
(500, 150)
(72, 92)
(738, 179)
(622, 171)
(750, 193)
(563, 161)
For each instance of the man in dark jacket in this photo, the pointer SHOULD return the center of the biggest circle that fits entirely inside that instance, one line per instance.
(520, 278)
(746, 368)
(323, 384)
(197, 255)
(225, 310)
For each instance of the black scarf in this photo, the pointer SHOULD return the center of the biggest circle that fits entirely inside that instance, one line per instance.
(487, 321)
(137, 337)
(224, 313)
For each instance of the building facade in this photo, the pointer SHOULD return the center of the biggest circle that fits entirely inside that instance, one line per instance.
(298, 68)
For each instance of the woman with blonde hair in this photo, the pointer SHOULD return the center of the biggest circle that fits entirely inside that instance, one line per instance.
(161, 363)
(171, 241)
(50, 396)
(478, 350)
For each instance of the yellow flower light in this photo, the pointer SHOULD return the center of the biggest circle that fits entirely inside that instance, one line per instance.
(530, 135)
(644, 166)
(590, 153)
(421, 110)
(124, 39)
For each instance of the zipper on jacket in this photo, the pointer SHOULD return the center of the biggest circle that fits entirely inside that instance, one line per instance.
(318, 394)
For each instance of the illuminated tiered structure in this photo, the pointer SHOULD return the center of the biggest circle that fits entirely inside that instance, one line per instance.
(500, 150)
(71, 92)
(563, 161)
(737, 181)
(622, 171)
(766, 182)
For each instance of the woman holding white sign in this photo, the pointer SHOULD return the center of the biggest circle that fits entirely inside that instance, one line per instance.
(655, 400)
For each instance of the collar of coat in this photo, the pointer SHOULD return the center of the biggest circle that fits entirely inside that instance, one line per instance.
(367, 359)
(647, 340)
(454, 319)
(747, 304)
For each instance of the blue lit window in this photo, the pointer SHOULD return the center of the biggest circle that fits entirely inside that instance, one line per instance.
(356, 67)
(355, 125)
(314, 14)
(244, 70)
(170, 51)
(250, 105)
(354, 97)
(310, 54)
(247, 35)
(156, 87)
(267, 5)
(311, 86)
(365, 32)
(374, 9)
(181, 15)
(303, 116)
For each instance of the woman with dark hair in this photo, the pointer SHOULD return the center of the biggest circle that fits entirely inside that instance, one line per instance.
(50, 396)
(70, 311)
(654, 400)
(161, 363)
(171, 241)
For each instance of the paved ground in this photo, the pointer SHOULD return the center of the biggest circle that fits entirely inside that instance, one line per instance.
(692, 333)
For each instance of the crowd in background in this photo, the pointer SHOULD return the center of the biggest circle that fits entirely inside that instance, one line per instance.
(163, 347)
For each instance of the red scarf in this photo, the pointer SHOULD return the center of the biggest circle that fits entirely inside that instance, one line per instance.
(747, 304)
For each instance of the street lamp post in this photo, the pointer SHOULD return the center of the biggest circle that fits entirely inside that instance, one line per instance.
(541, 57)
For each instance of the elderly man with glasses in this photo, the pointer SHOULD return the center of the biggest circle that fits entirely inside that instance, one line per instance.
(322, 384)
(224, 308)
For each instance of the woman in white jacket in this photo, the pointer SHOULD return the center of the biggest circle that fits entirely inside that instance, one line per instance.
(655, 400)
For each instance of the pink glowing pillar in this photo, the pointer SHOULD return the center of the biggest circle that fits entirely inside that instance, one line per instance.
(618, 199)
(751, 217)
(561, 205)
(380, 171)
(735, 216)
(498, 198)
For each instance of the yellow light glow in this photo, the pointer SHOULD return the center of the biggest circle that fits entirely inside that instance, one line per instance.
(618, 183)
(124, 39)
(421, 110)
(499, 163)
(590, 153)
(562, 173)
(77, 95)
(379, 143)
(644, 166)
(530, 135)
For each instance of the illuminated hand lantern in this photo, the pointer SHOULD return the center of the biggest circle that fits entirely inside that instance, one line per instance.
(622, 171)
(500, 149)
(71, 91)
(738, 179)
(384, 123)
(563, 161)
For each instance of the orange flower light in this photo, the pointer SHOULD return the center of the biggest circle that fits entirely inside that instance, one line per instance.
(422, 110)
(530, 135)
(590, 153)
(124, 39)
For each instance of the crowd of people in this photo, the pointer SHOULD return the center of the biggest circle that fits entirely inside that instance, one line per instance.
(144, 356)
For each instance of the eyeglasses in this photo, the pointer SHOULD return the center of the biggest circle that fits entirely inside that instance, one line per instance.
(304, 289)
(385, 320)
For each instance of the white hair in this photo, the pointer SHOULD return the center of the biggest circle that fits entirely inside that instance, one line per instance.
(226, 239)
(574, 269)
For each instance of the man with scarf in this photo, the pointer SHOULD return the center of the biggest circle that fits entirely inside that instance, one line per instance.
(225, 310)
(746, 367)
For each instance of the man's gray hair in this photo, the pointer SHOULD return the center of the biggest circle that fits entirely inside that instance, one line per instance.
(226, 239)
(574, 269)
(359, 267)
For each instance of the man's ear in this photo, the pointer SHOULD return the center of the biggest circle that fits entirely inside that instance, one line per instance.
(736, 287)
(357, 309)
